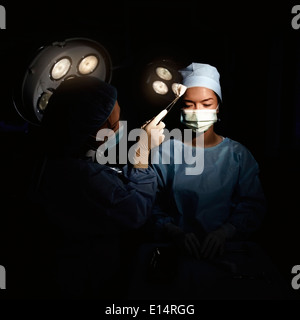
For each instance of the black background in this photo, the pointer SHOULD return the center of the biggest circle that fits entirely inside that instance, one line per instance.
(257, 53)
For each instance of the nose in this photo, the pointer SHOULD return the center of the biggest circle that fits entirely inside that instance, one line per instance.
(198, 106)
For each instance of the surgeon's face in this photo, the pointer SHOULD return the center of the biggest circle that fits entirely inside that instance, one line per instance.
(200, 98)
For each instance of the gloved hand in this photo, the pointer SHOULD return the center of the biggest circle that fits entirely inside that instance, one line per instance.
(151, 136)
(192, 245)
(187, 243)
(214, 243)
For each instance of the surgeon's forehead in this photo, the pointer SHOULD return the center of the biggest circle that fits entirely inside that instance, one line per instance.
(198, 93)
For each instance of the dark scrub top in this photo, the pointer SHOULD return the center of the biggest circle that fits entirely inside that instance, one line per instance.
(91, 204)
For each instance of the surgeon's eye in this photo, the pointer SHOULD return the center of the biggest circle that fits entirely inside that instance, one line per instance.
(188, 107)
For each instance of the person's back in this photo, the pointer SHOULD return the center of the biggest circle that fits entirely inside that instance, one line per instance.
(81, 198)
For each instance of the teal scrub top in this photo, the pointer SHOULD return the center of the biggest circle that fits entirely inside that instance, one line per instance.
(227, 188)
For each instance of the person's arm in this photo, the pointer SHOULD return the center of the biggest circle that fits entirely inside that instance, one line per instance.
(151, 136)
(248, 209)
(249, 203)
(164, 213)
(161, 210)
(166, 228)
(126, 198)
(129, 197)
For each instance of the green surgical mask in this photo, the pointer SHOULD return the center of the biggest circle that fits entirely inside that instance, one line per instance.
(199, 120)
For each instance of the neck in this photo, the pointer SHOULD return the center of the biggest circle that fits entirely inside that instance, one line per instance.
(210, 138)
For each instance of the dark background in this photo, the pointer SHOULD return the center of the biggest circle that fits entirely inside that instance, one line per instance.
(257, 53)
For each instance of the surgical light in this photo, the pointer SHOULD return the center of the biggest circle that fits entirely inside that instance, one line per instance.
(159, 76)
(160, 87)
(164, 73)
(43, 101)
(60, 68)
(53, 64)
(88, 64)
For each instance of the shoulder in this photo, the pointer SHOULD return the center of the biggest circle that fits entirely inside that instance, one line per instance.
(239, 150)
(236, 146)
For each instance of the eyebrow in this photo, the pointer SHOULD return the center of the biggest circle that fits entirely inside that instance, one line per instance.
(204, 100)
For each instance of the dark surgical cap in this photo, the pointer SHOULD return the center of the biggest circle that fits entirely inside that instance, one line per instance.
(75, 112)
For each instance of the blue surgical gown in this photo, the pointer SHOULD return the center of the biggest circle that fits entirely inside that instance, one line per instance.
(85, 197)
(226, 191)
(91, 205)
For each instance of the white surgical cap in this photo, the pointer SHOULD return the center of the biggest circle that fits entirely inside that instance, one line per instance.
(201, 75)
